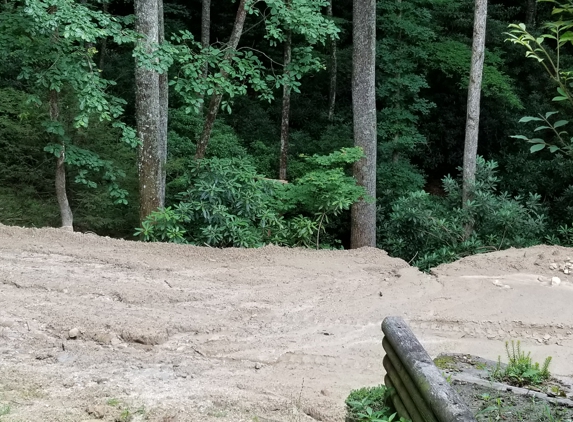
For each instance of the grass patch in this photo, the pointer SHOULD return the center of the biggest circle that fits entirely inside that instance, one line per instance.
(521, 370)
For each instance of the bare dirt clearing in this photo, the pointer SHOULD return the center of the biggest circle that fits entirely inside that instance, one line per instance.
(166, 332)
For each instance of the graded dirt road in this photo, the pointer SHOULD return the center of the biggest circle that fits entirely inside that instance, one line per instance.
(94, 328)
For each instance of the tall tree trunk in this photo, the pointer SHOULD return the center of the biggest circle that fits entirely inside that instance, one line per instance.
(473, 106)
(333, 69)
(103, 48)
(286, 110)
(217, 97)
(205, 33)
(163, 105)
(61, 195)
(531, 13)
(147, 105)
(363, 221)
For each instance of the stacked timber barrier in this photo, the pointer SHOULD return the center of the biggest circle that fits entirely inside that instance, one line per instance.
(420, 392)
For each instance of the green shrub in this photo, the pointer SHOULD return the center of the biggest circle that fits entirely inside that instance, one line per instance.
(429, 230)
(227, 203)
(370, 404)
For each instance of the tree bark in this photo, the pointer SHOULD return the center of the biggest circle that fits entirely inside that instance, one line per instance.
(531, 13)
(205, 34)
(217, 97)
(473, 105)
(286, 110)
(363, 219)
(333, 69)
(147, 103)
(65, 210)
(163, 106)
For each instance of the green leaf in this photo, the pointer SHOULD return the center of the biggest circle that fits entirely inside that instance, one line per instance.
(525, 138)
(560, 123)
(527, 119)
(537, 147)
(550, 113)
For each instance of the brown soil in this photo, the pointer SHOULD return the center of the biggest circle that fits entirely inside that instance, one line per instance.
(94, 328)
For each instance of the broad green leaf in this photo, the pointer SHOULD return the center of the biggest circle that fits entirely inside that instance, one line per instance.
(553, 148)
(560, 123)
(525, 138)
(537, 147)
(560, 98)
(527, 119)
(550, 113)
(567, 36)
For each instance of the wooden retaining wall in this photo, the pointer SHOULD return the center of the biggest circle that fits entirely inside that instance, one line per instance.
(421, 393)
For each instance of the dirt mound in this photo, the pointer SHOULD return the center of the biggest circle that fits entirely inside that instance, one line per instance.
(97, 328)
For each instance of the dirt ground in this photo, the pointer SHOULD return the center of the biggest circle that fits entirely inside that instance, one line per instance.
(94, 328)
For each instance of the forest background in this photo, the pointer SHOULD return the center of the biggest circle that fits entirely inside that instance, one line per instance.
(68, 86)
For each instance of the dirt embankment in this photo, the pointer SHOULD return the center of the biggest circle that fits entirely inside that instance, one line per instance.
(93, 328)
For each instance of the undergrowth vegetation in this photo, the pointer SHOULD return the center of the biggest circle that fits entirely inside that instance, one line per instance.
(371, 404)
(428, 230)
(520, 369)
(227, 203)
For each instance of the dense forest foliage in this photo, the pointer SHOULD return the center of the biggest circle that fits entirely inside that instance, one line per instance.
(68, 80)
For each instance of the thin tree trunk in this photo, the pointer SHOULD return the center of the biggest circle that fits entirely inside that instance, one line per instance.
(333, 69)
(103, 48)
(205, 34)
(148, 113)
(473, 106)
(163, 106)
(61, 195)
(285, 111)
(531, 14)
(363, 220)
(217, 97)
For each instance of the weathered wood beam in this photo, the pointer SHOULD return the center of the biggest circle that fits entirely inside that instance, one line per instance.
(444, 402)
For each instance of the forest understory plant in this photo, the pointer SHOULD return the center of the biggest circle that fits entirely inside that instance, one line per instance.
(549, 49)
(428, 230)
(227, 203)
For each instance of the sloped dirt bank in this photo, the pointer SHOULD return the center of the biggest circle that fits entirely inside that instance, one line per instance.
(93, 328)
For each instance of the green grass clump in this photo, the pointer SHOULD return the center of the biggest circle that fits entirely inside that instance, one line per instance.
(521, 370)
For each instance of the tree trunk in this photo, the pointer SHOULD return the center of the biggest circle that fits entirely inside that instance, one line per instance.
(473, 106)
(147, 105)
(103, 48)
(217, 97)
(205, 34)
(61, 195)
(163, 106)
(531, 13)
(286, 110)
(333, 69)
(363, 221)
